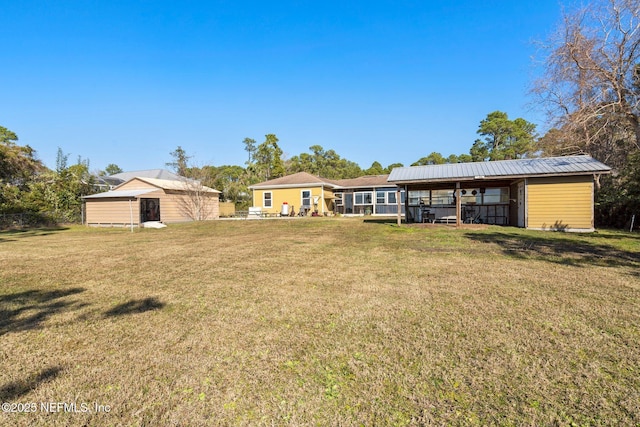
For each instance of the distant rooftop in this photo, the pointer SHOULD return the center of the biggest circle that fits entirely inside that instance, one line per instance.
(299, 179)
(302, 179)
(149, 173)
(363, 181)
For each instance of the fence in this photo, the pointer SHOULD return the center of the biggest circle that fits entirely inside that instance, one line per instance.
(34, 219)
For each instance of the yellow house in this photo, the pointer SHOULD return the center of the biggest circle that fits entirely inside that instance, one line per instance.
(366, 195)
(142, 199)
(300, 192)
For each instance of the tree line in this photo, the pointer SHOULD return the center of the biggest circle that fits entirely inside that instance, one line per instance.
(502, 139)
(589, 86)
(26, 185)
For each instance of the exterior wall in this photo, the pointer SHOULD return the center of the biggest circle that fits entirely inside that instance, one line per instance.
(513, 204)
(178, 207)
(560, 203)
(293, 196)
(227, 208)
(329, 203)
(173, 208)
(136, 184)
(349, 207)
(110, 212)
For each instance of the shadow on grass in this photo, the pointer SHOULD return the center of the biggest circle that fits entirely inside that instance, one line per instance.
(387, 220)
(12, 235)
(135, 306)
(16, 389)
(28, 310)
(559, 249)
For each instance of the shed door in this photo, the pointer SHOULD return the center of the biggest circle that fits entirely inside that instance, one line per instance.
(149, 210)
(521, 204)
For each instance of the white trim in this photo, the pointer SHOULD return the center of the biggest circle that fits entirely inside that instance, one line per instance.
(355, 193)
(310, 205)
(307, 185)
(264, 199)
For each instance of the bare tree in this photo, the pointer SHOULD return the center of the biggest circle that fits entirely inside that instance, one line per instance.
(198, 200)
(590, 85)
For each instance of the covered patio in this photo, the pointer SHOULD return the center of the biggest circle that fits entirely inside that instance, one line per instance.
(479, 202)
(553, 193)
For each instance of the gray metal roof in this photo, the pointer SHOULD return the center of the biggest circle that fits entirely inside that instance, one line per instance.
(149, 173)
(501, 169)
(128, 194)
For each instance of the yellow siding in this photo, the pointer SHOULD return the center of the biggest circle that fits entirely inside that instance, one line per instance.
(560, 203)
(227, 208)
(328, 200)
(293, 196)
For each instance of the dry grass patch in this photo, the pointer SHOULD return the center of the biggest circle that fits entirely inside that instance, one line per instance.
(321, 322)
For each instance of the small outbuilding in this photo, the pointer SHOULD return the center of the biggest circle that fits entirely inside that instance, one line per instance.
(552, 193)
(142, 199)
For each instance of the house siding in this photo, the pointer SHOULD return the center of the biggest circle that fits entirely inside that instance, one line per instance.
(560, 203)
(293, 196)
(136, 184)
(173, 206)
(110, 212)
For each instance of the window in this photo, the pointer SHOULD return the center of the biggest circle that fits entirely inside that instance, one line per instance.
(416, 196)
(380, 199)
(471, 196)
(306, 198)
(364, 198)
(442, 197)
(496, 195)
(266, 200)
(391, 198)
(338, 197)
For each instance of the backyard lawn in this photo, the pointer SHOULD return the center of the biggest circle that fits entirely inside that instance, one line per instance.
(319, 321)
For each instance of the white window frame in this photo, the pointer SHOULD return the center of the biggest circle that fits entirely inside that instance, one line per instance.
(302, 199)
(265, 200)
(362, 194)
(395, 198)
(384, 197)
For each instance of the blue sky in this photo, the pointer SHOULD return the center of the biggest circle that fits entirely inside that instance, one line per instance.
(126, 82)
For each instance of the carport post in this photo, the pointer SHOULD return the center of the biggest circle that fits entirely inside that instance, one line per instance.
(399, 202)
(458, 205)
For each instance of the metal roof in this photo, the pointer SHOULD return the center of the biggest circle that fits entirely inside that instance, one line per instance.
(304, 179)
(171, 184)
(128, 194)
(368, 181)
(501, 169)
(149, 173)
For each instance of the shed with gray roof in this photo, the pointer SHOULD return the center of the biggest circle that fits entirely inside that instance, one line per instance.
(143, 199)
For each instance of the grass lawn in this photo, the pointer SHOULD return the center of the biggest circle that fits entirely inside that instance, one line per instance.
(319, 322)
